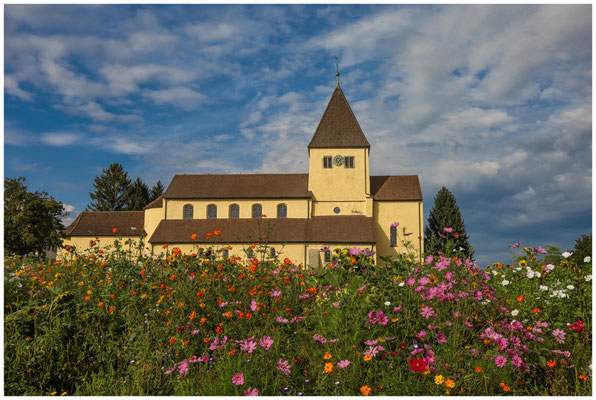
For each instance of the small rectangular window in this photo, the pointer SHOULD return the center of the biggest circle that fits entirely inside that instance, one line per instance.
(393, 236)
(226, 253)
(328, 256)
(327, 163)
(349, 162)
(273, 252)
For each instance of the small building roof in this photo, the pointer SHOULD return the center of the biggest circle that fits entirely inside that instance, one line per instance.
(238, 186)
(102, 223)
(157, 203)
(354, 229)
(338, 126)
(396, 187)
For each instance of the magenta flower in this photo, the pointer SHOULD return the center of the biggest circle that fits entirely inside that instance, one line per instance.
(449, 230)
(284, 366)
(517, 361)
(429, 259)
(515, 245)
(410, 282)
(355, 251)
(251, 392)
(541, 250)
(395, 224)
(421, 334)
(343, 363)
(441, 338)
(276, 293)
(238, 379)
(500, 361)
(266, 342)
(427, 312)
(253, 305)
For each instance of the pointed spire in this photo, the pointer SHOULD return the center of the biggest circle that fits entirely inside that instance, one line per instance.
(338, 126)
(337, 69)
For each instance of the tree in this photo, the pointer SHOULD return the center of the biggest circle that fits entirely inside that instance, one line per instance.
(445, 214)
(112, 190)
(138, 196)
(582, 249)
(156, 191)
(32, 221)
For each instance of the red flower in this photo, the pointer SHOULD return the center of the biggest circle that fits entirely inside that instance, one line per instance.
(115, 230)
(579, 327)
(193, 236)
(418, 365)
(217, 232)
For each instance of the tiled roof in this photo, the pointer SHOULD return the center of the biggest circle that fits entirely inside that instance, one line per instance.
(397, 187)
(338, 126)
(157, 203)
(102, 223)
(333, 229)
(239, 186)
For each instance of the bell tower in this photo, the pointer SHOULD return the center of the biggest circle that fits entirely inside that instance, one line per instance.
(339, 173)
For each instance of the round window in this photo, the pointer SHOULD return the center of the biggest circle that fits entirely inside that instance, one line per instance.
(336, 210)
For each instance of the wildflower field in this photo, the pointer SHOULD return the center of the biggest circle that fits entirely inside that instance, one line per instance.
(113, 323)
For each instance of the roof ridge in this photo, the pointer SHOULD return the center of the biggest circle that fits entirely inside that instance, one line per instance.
(77, 220)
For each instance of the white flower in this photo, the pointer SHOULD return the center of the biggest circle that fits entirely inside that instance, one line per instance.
(518, 269)
(530, 274)
(514, 312)
(566, 254)
(587, 259)
(544, 288)
(537, 274)
(400, 284)
(505, 282)
(550, 267)
(494, 272)
(387, 303)
(570, 287)
(588, 278)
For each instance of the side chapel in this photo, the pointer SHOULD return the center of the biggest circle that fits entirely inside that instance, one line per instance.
(336, 204)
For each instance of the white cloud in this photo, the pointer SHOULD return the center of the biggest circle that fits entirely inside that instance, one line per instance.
(182, 97)
(59, 139)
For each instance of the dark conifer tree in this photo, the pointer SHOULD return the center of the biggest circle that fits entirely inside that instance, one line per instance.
(156, 191)
(446, 214)
(138, 196)
(112, 190)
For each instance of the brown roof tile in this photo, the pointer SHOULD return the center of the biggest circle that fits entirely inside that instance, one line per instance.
(397, 187)
(338, 126)
(157, 203)
(249, 186)
(102, 223)
(333, 229)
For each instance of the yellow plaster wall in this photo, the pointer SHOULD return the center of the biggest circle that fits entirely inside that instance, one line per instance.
(297, 208)
(106, 243)
(339, 183)
(152, 218)
(409, 214)
(346, 208)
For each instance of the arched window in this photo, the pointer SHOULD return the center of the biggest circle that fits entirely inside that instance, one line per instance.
(273, 252)
(234, 211)
(257, 211)
(393, 236)
(211, 211)
(188, 212)
(327, 256)
(282, 211)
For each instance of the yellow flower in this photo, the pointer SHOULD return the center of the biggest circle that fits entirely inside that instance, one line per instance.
(63, 394)
(89, 291)
(53, 393)
(80, 283)
(328, 367)
(327, 355)
(143, 295)
(523, 263)
(394, 319)
(367, 357)
(450, 383)
(439, 379)
(365, 390)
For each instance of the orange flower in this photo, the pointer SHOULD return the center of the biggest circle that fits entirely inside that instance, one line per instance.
(328, 367)
(478, 369)
(218, 330)
(102, 264)
(100, 304)
(112, 296)
(506, 388)
(173, 340)
(193, 236)
(365, 390)
(142, 272)
(287, 261)
(583, 377)
(87, 298)
(536, 310)
(551, 363)
(165, 246)
(187, 342)
(486, 341)
(248, 315)
(217, 232)
(173, 277)
(206, 340)
(229, 247)
(367, 357)
(327, 355)
(520, 298)
(353, 261)
(115, 230)
(111, 310)
(192, 315)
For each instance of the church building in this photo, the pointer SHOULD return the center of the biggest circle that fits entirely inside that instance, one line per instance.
(336, 204)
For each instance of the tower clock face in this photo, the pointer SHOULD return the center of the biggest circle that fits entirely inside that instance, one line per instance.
(338, 160)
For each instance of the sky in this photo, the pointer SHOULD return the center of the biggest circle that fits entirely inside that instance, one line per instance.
(492, 102)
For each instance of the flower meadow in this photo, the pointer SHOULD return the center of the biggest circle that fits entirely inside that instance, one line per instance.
(109, 322)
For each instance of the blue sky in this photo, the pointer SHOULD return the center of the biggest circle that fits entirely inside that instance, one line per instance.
(493, 102)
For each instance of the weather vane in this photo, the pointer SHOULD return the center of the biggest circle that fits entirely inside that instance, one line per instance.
(337, 69)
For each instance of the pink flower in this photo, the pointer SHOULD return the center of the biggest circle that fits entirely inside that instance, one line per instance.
(335, 304)
(421, 334)
(427, 312)
(343, 363)
(183, 367)
(448, 230)
(559, 335)
(428, 259)
(517, 361)
(441, 338)
(238, 379)
(410, 282)
(500, 361)
(251, 392)
(355, 251)
(284, 366)
(253, 305)
(395, 224)
(276, 293)
(266, 342)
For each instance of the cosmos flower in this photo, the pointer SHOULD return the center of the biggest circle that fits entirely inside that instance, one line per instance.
(238, 379)
(251, 392)
(566, 254)
(559, 335)
(284, 366)
(500, 361)
(266, 342)
(343, 363)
